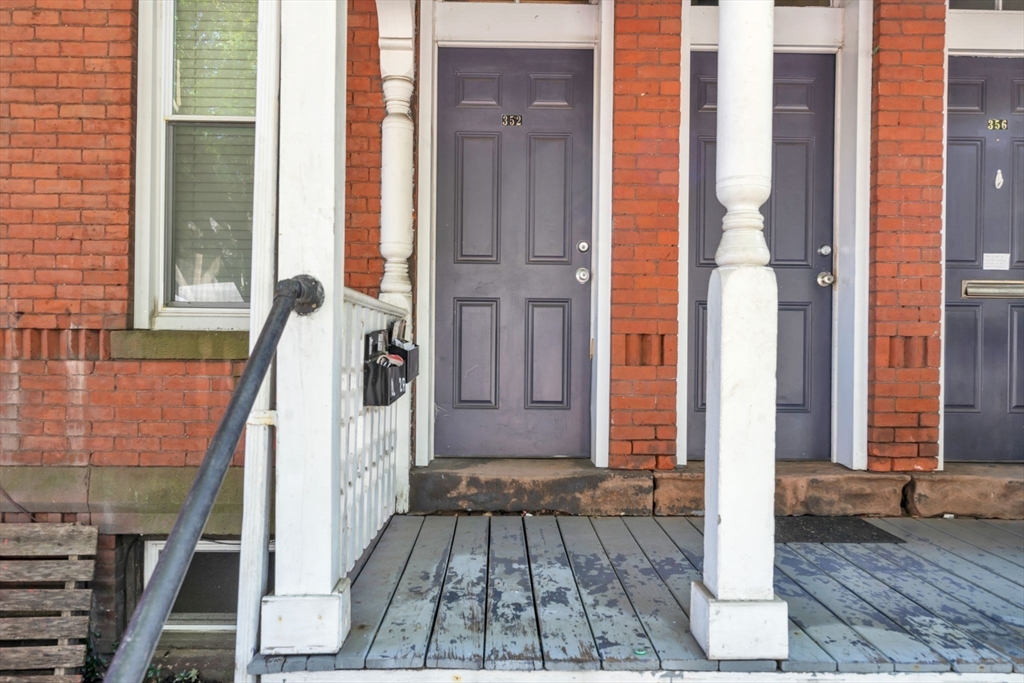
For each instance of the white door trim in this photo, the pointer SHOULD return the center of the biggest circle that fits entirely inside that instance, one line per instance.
(845, 31)
(468, 24)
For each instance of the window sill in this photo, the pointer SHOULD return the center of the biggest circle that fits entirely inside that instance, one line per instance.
(178, 345)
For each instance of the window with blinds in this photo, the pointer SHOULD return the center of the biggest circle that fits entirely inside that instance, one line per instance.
(210, 153)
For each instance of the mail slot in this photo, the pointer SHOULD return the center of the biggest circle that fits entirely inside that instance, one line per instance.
(992, 289)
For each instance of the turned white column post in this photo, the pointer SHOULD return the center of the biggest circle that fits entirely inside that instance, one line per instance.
(396, 26)
(309, 611)
(735, 614)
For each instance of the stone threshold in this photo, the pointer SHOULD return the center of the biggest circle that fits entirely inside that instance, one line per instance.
(577, 487)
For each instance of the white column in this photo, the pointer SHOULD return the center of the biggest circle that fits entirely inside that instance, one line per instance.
(309, 611)
(396, 27)
(735, 614)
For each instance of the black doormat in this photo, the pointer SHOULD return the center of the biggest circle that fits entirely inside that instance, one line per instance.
(830, 530)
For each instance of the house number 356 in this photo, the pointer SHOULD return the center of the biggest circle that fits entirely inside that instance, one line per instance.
(997, 124)
(511, 119)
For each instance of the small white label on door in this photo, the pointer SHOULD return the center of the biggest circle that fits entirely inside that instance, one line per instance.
(995, 262)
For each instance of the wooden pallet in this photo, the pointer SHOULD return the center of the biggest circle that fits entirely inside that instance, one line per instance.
(44, 606)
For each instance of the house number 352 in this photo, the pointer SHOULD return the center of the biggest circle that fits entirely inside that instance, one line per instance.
(511, 119)
(997, 124)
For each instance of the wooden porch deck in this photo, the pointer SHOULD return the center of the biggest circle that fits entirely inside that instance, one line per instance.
(579, 593)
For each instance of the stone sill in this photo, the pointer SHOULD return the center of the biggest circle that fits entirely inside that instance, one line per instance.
(178, 345)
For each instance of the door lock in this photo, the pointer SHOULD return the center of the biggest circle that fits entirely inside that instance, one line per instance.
(583, 276)
(825, 249)
(583, 246)
(826, 279)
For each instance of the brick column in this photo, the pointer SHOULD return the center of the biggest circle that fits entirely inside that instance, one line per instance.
(906, 222)
(645, 234)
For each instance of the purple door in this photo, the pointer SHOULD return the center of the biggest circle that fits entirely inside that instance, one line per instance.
(983, 388)
(798, 223)
(514, 173)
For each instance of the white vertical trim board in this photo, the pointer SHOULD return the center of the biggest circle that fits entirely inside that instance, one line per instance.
(515, 26)
(846, 31)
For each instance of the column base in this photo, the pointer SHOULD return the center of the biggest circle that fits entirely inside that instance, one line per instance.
(739, 629)
(306, 624)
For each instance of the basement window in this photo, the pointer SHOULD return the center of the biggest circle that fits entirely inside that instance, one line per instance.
(208, 599)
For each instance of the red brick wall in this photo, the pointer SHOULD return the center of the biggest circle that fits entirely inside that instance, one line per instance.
(364, 266)
(66, 129)
(66, 142)
(64, 402)
(906, 223)
(645, 234)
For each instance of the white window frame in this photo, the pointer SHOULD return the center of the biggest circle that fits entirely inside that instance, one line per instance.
(151, 554)
(156, 59)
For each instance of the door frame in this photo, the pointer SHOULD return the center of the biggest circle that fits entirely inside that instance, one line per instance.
(969, 33)
(551, 26)
(845, 30)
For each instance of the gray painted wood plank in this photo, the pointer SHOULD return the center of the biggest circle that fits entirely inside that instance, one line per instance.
(320, 663)
(294, 663)
(1015, 526)
(965, 653)
(1002, 534)
(805, 655)
(851, 652)
(686, 537)
(621, 640)
(662, 617)
(906, 652)
(401, 641)
(675, 570)
(1005, 639)
(986, 602)
(997, 565)
(458, 640)
(979, 576)
(959, 528)
(566, 640)
(513, 641)
(374, 588)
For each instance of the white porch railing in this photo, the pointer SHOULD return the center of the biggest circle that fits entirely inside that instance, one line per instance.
(369, 449)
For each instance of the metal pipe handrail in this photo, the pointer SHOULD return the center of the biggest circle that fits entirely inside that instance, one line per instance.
(302, 294)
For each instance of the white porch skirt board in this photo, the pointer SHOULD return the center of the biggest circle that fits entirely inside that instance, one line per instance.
(480, 676)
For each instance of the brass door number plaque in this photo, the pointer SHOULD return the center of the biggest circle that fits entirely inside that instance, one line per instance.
(998, 124)
(511, 119)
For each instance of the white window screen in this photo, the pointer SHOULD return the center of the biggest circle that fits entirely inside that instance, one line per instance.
(210, 150)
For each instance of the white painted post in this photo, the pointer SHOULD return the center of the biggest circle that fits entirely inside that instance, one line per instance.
(735, 614)
(396, 22)
(253, 556)
(310, 609)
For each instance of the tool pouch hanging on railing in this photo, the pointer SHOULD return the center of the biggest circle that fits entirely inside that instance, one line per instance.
(406, 350)
(383, 372)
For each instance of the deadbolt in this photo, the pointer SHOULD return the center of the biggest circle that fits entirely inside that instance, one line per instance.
(826, 279)
(583, 276)
(825, 249)
(583, 246)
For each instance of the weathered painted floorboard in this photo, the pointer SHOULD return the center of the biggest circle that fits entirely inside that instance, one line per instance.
(997, 565)
(1015, 526)
(1006, 639)
(458, 640)
(565, 636)
(620, 637)
(513, 641)
(905, 651)
(673, 568)
(687, 538)
(401, 641)
(960, 528)
(373, 589)
(962, 650)
(662, 617)
(1004, 535)
(956, 565)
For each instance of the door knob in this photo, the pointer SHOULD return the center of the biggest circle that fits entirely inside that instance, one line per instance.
(826, 279)
(583, 276)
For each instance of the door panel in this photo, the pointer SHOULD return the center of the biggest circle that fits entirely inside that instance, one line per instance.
(798, 221)
(513, 202)
(984, 338)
